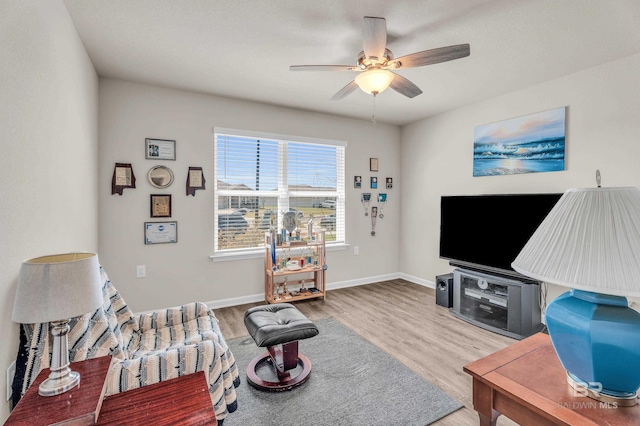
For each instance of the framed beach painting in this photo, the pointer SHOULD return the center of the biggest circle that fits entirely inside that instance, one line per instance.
(529, 144)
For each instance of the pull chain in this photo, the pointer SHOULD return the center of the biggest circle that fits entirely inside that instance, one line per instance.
(373, 113)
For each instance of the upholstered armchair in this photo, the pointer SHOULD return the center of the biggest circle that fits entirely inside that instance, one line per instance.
(145, 349)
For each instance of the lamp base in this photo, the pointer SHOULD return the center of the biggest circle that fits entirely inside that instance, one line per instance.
(597, 340)
(618, 399)
(58, 385)
(61, 378)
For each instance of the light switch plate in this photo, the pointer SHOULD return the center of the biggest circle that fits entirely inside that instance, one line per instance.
(141, 271)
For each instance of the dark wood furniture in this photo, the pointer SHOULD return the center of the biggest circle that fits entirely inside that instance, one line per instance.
(184, 400)
(79, 406)
(284, 359)
(527, 383)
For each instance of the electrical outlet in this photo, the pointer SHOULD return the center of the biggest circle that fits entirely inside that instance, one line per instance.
(356, 250)
(11, 371)
(141, 271)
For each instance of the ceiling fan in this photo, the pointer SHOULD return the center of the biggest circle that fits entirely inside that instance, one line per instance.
(375, 62)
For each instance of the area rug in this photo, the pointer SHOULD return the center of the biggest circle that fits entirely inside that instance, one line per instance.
(352, 382)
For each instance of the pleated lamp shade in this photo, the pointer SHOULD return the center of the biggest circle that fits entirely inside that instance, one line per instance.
(589, 241)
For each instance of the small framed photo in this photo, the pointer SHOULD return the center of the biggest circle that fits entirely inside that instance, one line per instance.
(374, 182)
(373, 164)
(122, 178)
(160, 205)
(160, 149)
(195, 180)
(357, 182)
(123, 175)
(160, 232)
(389, 183)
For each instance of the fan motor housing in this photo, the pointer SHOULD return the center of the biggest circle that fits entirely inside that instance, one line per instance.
(364, 62)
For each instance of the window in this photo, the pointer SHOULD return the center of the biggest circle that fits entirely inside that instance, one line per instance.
(260, 177)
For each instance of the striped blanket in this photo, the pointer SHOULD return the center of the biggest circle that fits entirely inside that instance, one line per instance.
(145, 349)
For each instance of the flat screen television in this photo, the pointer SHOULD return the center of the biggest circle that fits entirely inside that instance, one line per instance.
(487, 232)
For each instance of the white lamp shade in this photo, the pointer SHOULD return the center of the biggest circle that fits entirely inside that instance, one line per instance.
(589, 241)
(374, 81)
(57, 287)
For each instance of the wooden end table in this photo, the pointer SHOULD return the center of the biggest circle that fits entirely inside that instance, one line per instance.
(184, 400)
(527, 383)
(78, 406)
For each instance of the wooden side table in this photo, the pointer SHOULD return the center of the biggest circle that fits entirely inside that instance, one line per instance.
(78, 406)
(527, 383)
(184, 400)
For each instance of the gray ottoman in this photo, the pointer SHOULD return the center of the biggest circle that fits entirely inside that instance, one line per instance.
(279, 327)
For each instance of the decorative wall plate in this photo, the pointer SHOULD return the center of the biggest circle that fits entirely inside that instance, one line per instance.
(160, 176)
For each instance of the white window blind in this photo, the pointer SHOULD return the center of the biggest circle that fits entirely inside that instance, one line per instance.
(259, 177)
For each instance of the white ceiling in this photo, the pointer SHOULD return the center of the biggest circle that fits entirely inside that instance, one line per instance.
(243, 48)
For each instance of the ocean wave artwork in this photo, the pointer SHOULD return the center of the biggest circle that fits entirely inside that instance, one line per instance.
(529, 144)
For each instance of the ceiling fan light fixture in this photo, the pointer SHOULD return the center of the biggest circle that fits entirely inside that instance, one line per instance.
(375, 61)
(374, 81)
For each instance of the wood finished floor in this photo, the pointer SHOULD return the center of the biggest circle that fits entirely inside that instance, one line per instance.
(403, 320)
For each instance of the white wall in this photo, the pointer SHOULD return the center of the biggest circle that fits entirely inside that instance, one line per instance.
(603, 132)
(48, 126)
(55, 201)
(183, 272)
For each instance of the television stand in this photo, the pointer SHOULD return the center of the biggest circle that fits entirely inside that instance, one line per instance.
(503, 305)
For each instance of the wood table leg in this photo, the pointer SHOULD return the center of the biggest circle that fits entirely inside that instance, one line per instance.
(483, 403)
(486, 421)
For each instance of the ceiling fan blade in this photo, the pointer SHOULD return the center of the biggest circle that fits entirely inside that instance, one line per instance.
(404, 86)
(374, 36)
(432, 56)
(346, 90)
(323, 68)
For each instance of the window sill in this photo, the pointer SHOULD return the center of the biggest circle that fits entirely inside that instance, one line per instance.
(259, 253)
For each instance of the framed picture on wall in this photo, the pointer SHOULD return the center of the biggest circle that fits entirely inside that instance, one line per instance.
(160, 205)
(160, 232)
(373, 164)
(122, 178)
(160, 149)
(531, 143)
(195, 180)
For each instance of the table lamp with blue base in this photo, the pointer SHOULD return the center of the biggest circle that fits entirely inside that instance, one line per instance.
(597, 339)
(590, 242)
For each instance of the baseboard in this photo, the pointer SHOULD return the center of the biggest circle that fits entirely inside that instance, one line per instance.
(416, 280)
(253, 298)
(259, 297)
(362, 281)
(235, 301)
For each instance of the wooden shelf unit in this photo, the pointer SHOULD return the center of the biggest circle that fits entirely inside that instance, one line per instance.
(309, 276)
